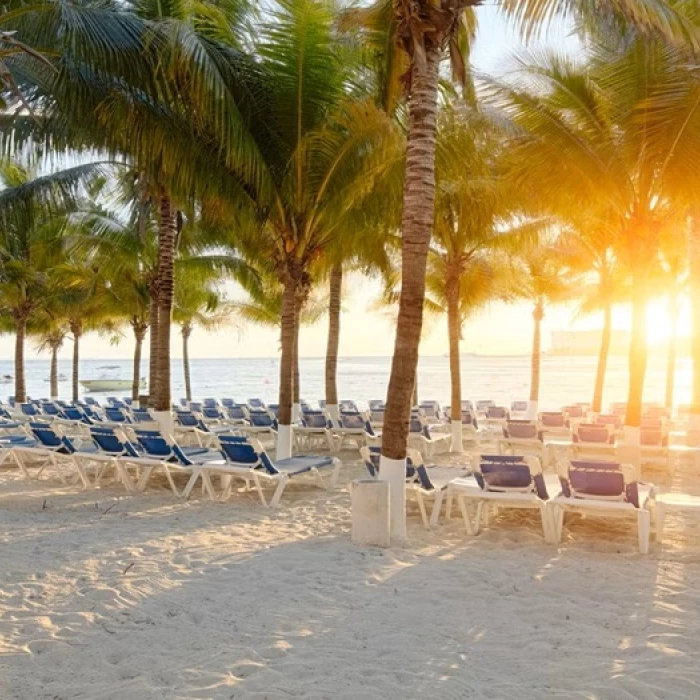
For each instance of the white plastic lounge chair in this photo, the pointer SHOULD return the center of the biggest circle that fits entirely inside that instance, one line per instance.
(421, 438)
(523, 437)
(246, 459)
(421, 481)
(355, 429)
(314, 432)
(606, 489)
(504, 481)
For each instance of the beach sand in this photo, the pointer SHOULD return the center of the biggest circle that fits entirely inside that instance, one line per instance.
(108, 596)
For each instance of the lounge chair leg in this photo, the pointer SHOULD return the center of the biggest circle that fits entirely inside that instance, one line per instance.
(274, 502)
(644, 528)
(144, 479)
(448, 507)
(437, 507)
(423, 513)
(194, 477)
(259, 489)
(557, 522)
(336, 473)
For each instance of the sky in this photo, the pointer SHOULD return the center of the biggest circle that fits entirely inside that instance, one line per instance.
(500, 329)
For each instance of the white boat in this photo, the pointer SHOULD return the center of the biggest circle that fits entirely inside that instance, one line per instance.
(109, 383)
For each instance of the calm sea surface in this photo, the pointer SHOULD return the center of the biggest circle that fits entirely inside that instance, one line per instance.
(564, 379)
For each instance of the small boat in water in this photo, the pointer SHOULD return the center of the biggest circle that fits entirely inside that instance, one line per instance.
(109, 381)
(6, 379)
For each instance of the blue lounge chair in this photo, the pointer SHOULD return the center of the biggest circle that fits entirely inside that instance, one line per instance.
(314, 432)
(421, 438)
(421, 481)
(608, 489)
(507, 481)
(261, 423)
(246, 459)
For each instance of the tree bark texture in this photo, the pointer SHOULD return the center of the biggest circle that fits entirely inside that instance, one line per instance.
(637, 354)
(597, 404)
(20, 380)
(186, 333)
(336, 291)
(536, 360)
(416, 230)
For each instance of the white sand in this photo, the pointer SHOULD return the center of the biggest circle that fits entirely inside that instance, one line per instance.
(110, 596)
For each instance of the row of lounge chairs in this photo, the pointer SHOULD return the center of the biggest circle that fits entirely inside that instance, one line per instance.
(107, 451)
(595, 488)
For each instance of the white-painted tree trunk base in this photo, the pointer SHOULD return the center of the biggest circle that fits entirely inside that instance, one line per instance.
(456, 428)
(370, 513)
(334, 412)
(531, 412)
(296, 413)
(393, 471)
(693, 437)
(165, 422)
(284, 442)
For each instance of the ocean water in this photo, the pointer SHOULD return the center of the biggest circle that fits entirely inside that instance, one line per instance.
(503, 379)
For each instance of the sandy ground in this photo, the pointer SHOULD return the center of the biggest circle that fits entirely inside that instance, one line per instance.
(106, 596)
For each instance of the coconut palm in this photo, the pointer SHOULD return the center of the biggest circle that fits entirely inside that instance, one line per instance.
(587, 250)
(411, 37)
(51, 336)
(581, 134)
(33, 217)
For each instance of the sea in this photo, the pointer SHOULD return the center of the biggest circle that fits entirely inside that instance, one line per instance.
(503, 379)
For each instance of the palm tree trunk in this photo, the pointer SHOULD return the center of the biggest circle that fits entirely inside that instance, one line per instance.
(287, 323)
(672, 343)
(166, 262)
(139, 333)
(20, 381)
(77, 330)
(53, 371)
(153, 347)
(296, 382)
(597, 404)
(454, 331)
(186, 332)
(336, 291)
(694, 259)
(536, 360)
(414, 397)
(416, 227)
(637, 363)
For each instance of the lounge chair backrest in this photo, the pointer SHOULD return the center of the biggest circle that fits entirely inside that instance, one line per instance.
(187, 420)
(70, 413)
(573, 411)
(376, 416)
(372, 457)
(315, 419)
(347, 406)
(274, 408)
(142, 415)
(497, 412)
(518, 406)
(256, 403)
(467, 405)
(91, 402)
(602, 480)
(210, 403)
(618, 409)
(652, 437)
(155, 445)
(227, 403)
(593, 433)
(652, 423)
(50, 409)
(551, 419)
(237, 412)
(261, 419)
(430, 408)
(29, 409)
(241, 450)
(196, 406)
(659, 412)
(211, 412)
(484, 405)
(108, 442)
(116, 415)
(468, 418)
(45, 434)
(376, 405)
(500, 473)
(352, 420)
(608, 419)
(522, 430)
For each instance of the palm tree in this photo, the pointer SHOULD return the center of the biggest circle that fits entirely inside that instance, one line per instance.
(413, 34)
(51, 336)
(580, 133)
(541, 280)
(587, 251)
(33, 215)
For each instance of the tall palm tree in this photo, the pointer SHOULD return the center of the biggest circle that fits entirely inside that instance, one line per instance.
(541, 280)
(581, 133)
(412, 36)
